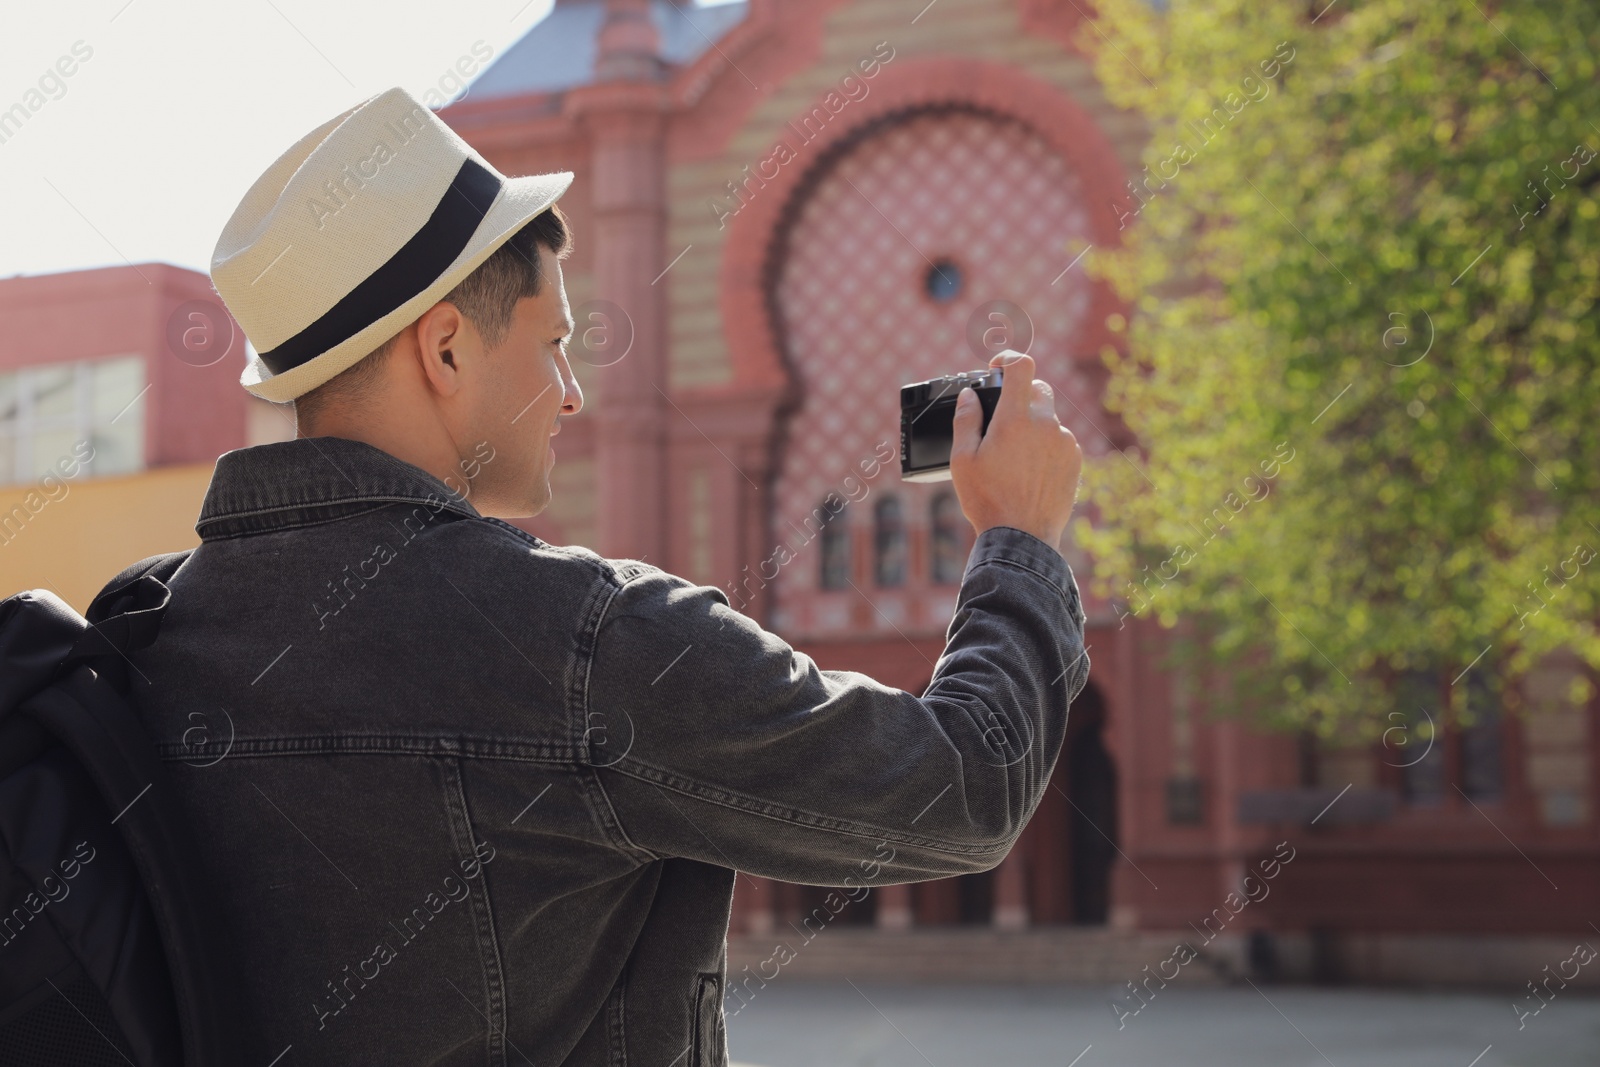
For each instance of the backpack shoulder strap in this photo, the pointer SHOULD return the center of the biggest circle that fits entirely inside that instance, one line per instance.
(161, 567)
(126, 614)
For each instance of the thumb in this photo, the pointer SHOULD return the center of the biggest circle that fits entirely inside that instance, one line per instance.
(1016, 391)
(968, 425)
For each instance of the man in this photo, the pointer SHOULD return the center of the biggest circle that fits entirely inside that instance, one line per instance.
(468, 797)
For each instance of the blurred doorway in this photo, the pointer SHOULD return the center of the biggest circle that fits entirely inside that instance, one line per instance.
(1091, 789)
(1068, 848)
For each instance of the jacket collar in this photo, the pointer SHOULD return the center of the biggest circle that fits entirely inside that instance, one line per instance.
(314, 479)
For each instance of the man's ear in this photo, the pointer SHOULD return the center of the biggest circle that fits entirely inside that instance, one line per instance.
(443, 336)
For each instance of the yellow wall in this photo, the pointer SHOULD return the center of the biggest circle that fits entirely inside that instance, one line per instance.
(93, 528)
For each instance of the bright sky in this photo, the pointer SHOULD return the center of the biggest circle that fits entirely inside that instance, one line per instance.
(142, 153)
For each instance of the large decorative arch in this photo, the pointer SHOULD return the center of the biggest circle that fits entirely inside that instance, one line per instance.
(861, 306)
(913, 84)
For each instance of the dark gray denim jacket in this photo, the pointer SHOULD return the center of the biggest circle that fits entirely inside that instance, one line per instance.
(469, 797)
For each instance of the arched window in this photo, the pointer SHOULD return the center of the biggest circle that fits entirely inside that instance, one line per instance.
(835, 572)
(889, 542)
(945, 539)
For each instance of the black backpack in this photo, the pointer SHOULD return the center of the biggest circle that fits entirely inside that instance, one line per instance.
(111, 951)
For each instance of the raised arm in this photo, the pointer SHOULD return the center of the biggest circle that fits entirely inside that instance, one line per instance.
(716, 740)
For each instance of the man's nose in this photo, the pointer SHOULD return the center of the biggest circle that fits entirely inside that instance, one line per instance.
(572, 400)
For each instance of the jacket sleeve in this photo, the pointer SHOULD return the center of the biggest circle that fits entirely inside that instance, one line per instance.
(715, 740)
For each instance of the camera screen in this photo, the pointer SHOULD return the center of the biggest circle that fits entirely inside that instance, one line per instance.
(932, 434)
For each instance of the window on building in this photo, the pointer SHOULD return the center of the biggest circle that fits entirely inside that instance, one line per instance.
(889, 542)
(1414, 741)
(945, 540)
(88, 416)
(1439, 751)
(943, 281)
(1480, 740)
(1185, 801)
(835, 572)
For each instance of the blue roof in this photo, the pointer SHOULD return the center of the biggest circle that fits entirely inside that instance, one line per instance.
(559, 51)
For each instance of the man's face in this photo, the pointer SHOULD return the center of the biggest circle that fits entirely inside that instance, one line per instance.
(527, 386)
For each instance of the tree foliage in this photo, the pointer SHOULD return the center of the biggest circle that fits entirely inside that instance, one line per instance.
(1382, 262)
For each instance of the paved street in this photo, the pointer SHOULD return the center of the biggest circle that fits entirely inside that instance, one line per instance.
(813, 1024)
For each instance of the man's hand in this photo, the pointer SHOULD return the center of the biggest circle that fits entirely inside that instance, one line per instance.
(1024, 471)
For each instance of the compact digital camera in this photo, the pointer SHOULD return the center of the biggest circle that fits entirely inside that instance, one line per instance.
(927, 421)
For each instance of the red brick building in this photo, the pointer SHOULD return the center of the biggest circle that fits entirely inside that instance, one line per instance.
(786, 210)
(783, 212)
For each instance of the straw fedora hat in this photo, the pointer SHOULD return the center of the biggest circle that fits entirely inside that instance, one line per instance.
(369, 220)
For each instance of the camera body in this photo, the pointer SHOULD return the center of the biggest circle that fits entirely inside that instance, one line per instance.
(927, 421)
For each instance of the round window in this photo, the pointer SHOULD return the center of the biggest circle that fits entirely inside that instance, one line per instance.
(943, 281)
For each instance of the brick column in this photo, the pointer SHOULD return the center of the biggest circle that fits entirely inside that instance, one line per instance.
(755, 895)
(1011, 891)
(894, 907)
(1232, 839)
(624, 114)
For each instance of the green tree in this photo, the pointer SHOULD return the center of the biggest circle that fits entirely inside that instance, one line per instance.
(1366, 245)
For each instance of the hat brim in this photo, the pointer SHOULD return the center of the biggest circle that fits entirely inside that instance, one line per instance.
(519, 201)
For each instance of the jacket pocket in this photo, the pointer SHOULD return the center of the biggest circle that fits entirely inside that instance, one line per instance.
(709, 1043)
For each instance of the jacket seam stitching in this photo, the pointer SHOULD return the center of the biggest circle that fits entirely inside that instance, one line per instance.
(388, 500)
(430, 745)
(276, 527)
(618, 1053)
(598, 568)
(493, 968)
(591, 634)
(1061, 589)
(793, 816)
(614, 828)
